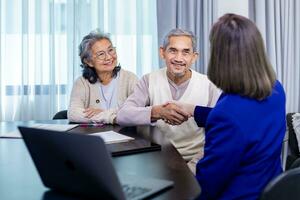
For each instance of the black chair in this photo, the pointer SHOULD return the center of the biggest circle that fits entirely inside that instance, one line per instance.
(295, 164)
(61, 115)
(292, 141)
(285, 186)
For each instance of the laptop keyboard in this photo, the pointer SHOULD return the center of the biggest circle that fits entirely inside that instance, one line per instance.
(134, 191)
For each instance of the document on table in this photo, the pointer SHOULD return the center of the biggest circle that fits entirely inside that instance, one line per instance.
(110, 137)
(11, 134)
(54, 127)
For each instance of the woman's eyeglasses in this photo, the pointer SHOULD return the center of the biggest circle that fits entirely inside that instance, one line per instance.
(101, 55)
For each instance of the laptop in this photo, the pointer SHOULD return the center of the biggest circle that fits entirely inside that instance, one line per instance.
(80, 164)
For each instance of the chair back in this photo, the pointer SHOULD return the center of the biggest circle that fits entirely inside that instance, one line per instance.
(295, 164)
(292, 141)
(61, 115)
(285, 186)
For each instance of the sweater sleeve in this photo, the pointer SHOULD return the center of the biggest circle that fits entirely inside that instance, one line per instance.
(136, 109)
(200, 115)
(106, 117)
(224, 145)
(78, 101)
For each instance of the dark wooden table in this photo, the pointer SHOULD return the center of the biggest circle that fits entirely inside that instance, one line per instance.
(20, 180)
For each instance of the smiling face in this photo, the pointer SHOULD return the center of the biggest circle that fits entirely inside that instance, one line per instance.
(178, 55)
(104, 57)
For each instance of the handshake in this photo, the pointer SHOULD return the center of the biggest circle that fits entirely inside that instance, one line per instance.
(173, 112)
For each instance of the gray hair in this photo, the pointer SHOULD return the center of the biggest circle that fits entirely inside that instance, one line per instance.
(85, 55)
(88, 41)
(180, 32)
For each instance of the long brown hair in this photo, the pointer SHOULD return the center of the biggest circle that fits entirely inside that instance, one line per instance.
(238, 61)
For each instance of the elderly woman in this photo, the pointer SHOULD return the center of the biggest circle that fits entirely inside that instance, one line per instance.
(103, 86)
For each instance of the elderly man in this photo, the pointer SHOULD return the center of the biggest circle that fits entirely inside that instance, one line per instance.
(177, 82)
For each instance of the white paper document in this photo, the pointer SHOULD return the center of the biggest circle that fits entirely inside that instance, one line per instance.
(54, 127)
(11, 134)
(112, 137)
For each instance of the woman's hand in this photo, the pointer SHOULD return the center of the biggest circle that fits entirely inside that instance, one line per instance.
(187, 108)
(90, 112)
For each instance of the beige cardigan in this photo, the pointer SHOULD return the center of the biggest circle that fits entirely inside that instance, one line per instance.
(86, 95)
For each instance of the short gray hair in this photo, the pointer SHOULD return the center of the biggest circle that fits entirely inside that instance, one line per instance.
(180, 32)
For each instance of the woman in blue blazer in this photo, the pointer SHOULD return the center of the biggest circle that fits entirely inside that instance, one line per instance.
(245, 130)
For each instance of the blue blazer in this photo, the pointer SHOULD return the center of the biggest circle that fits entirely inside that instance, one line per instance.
(242, 145)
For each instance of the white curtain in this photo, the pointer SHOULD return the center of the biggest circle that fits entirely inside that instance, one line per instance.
(39, 48)
(279, 23)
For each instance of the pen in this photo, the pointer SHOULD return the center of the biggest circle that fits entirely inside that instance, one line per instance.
(92, 125)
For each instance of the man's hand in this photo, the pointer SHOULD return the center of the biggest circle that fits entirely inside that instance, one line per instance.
(170, 113)
(90, 112)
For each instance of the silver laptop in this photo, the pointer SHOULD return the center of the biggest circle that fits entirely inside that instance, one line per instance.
(80, 164)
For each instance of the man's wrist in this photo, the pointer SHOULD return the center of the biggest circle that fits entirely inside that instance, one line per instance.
(155, 113)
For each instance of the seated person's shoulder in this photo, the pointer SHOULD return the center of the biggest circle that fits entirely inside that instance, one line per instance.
(128, 74)
(80, 79)
(200, 75)
(81, 82)
(144, 78)
(278, 88)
